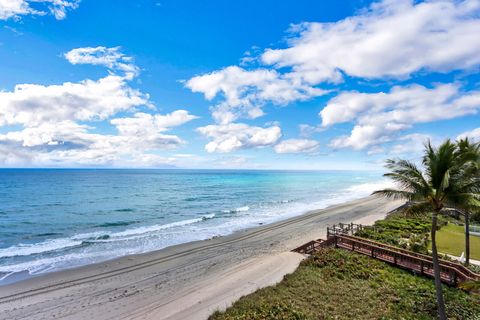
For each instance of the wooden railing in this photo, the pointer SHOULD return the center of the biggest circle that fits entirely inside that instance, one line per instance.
(451, 273)
(315, 245)
(461, 268)
(343, 229)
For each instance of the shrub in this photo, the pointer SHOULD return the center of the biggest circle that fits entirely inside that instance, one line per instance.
(338, 284)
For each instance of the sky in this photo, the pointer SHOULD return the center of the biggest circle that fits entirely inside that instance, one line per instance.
(299, 84)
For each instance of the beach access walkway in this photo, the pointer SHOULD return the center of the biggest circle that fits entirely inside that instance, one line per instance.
(342, 236)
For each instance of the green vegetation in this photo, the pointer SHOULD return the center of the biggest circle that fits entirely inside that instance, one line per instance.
(451, 240)
(449, 177)
(398, 230)
(337, 284)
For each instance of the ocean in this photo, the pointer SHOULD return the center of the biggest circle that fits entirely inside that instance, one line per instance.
(53, 219)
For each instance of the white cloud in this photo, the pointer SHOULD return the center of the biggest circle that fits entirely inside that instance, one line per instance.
(410, 144)
(393, 38)
(111, 58)
(142, 123)
(245, 92)
(297, 146)
(88, 100)
(146, 129)
(59, 7)
(57, 122)
(378, 117)
(32, 104)
(13, 9)
(234, 136)
(67, 142)
(472, 134)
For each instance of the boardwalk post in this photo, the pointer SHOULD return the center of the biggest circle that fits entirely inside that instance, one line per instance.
(421, 267)
(453, 277)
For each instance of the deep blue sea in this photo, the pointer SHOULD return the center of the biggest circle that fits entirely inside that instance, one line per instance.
(57, 219)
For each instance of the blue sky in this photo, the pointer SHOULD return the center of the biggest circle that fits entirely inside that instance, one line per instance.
(224, 84)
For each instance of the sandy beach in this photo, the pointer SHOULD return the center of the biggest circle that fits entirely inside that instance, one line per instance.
(187, 281)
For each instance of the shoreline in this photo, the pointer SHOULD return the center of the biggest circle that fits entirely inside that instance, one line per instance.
(199, 276)
(7, 278)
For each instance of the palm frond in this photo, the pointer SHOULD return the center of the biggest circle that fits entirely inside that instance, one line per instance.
(394, 194)
(418, 209)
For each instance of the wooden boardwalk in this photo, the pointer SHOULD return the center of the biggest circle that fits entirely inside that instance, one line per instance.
(451, 273)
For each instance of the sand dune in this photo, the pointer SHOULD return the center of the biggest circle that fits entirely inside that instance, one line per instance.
(187, 281)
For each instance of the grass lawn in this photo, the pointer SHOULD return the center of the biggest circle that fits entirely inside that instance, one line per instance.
(337, 284)
(451, 240)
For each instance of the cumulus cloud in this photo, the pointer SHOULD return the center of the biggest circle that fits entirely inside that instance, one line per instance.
(297, 146)
(378, 117)
(67, 142)
(33, 104)
(147, 130)
(14, 9)
(58, 122)
(142, 123)
(111, 58)
(390, 39)
(233, 136)
(245, 91)
(473, 134)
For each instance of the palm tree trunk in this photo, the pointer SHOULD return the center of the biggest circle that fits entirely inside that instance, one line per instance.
(467, 238)
(436, 270)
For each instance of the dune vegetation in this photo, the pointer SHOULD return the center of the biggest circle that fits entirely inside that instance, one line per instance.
(337, 284)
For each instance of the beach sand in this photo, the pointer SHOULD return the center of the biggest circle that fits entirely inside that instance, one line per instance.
(188, 281)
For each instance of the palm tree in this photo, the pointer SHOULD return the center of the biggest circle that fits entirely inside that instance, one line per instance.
(469, 153)
(429, 192)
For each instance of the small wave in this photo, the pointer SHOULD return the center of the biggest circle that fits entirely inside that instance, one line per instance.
(115, 224)
(48, 234)
(150, 229)
(103, 238)
(42, 247)
(240, 209)
(125, 210)
(89, 238)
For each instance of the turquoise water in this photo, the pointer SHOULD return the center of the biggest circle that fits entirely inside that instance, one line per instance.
(57, 219)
